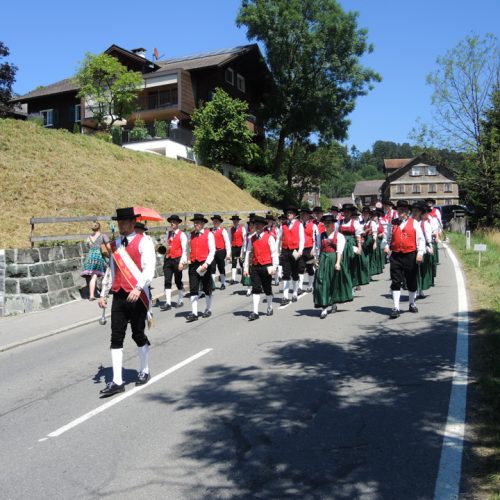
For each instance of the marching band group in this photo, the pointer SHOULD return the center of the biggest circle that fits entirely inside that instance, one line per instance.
(338, 252)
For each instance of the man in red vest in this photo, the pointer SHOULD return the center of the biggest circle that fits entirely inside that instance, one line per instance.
(264, 256)
(306, 262)
(202, 252)
(222, 249)
(131, 270)
(238, 235)
(174, 262)
(292, 246)
(407, 247)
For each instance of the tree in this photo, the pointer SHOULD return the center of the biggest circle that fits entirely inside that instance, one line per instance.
(109, 88)
(7, 79)
(313, 50)
(465, 85)
(221, 132)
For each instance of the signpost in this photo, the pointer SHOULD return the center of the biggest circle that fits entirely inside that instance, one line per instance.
(467, 240)
(479, 247)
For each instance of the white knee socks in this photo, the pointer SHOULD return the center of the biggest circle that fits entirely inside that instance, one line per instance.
(412, 296)
(117, 361)
(301, 281)
(223, 279)
(168, 295)
(180, 295)
(194, 304)
(233, 274)
(143, 358)
(269, 300)
(256, 301)
(295, 287)
(208, 298)
(286, 286)
(396, 295)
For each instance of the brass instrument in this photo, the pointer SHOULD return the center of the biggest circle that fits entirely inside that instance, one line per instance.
(161, 249)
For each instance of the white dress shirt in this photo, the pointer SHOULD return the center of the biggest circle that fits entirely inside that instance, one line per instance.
(211, 246)
(273, 247)
(184, 242)
(340, 241)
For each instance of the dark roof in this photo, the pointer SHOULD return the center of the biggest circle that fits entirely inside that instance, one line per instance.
(206, 60)
(441, 169)
(392, 164)
(66, 85)
(366, 188)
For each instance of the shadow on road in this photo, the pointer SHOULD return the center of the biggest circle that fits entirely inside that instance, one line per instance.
(323, 420)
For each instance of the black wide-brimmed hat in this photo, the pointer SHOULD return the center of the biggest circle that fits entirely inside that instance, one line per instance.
(379, 212)
(125, 214)
(140, 225)
(430, 200)
(235, 217)
(387, 202)
(334, 208)
(366, 208)
(174, 218)
(349, 206)
(328, 218)
(270, 216)
(259, 220)
(282, 217)
(402, 204)
(199, 217)
(317, 209)
(419, 205)
(305, 210)
(217, 217)
(291, 209)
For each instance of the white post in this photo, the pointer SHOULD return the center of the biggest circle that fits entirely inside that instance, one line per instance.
(467, 240)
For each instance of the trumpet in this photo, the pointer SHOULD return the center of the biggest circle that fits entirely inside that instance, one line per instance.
(161, 249)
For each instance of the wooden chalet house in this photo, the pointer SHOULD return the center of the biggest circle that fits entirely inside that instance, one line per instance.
(172, 87)
(414, 179)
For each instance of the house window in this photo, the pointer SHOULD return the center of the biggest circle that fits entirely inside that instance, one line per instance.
(240, 83)
(162, 98)
(431, 170)
(152, 100)
(78, 113)
(448, 188)
(415, 171)
(48, 117)
(400, 189)
(230, 76)
(432, 188)
(415, 188)
(368, 200)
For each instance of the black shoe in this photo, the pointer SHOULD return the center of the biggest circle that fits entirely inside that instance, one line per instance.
(294, 298)
(201, 295)
(284, 302)
(253, 317)
(300, 292)
(179, 304)
(165, 307)
(413, 308)
(112, 389)
(420, 296)
(142, 378)
(191, 317)
(270, 311)
(222, 287)
(394, 314)
(207, 314)
(332, 309)
(309, 289)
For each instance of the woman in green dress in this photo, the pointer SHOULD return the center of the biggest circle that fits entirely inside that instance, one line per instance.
(425, 277)
(94, 265)
(381, 241)
(332, 280)
(369, 242)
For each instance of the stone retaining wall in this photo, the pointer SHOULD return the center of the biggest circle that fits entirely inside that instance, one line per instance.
(39, 278)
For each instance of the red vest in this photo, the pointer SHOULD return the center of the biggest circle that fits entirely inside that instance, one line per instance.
(272, 231)
(199, 247)
(291, 238)
(380, 230)
(237, 236)
(261, 251)
(329, 245)
(348, 230)
(321, 227)
(434, 212)
(219, 239)
(368, 229)
(174, 240)
(404, 240)
(132, 249)
(308, 235)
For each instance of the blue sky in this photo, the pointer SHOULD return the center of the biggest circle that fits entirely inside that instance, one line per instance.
(48, 39)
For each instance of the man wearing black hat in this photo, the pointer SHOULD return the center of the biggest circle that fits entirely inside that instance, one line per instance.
(306, 262)
(238, 238)
(222, 249)
(292, 246)
(262, 252)
(407, 245)
(174, 262)
(131, 270)
(201, 255)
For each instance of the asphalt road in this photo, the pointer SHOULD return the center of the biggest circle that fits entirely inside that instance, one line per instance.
(289, 406)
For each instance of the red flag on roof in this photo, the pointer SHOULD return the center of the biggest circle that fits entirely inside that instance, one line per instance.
(156, 53)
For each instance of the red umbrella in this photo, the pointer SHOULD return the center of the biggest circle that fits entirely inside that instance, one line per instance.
(147, 214)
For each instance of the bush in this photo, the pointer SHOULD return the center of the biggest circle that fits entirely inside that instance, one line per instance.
(139, 132)
(161, 129)
(263, 187)
(116, 134)
(36, 118)
(102, 136)
(76, 128)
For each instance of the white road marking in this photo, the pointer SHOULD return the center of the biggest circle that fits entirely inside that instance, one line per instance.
(450, 464)
(123, 396)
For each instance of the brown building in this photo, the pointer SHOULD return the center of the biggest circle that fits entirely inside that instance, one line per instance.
(367, 193)
(414, 179)
(172, 87)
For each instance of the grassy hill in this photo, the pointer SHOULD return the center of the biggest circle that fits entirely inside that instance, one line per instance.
(55, 173)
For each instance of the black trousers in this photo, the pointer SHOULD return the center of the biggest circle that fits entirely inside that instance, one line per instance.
(123, 312)
(303, 265)
(261, 280)
(195, 279)
(219, 262)
(171, 269)
(290, 265)
(404, 266)
(235, 257)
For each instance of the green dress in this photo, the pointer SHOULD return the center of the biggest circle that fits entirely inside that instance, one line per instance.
(425, 277)
(331, 286)
(379, 256)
